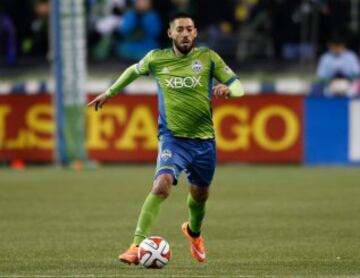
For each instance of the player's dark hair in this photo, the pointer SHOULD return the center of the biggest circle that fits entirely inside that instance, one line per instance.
(337, 38)
(178, 15)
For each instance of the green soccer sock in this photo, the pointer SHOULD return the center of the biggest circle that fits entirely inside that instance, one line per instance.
(196, 214)
(149, 212)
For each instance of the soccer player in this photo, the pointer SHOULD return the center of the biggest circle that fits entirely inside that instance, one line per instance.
(184, 76)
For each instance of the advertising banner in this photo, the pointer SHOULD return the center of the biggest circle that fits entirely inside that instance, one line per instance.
(354, 131)
(251, 129)
(326, 130)
(260, 129)
(26, 128)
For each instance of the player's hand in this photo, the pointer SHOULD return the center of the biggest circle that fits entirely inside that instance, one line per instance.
(221, 90)
(99, 101)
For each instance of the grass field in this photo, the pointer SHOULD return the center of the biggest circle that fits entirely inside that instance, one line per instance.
(278, 221)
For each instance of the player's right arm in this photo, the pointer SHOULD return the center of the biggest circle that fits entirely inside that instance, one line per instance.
(128, 76)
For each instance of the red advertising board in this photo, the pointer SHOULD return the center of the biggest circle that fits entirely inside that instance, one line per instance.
(26, 127)
(250, 129)
(260, 129)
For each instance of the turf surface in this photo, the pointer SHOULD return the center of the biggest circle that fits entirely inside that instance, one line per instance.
(262, 221)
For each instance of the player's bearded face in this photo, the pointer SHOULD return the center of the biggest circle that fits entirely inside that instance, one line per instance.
(183, 33)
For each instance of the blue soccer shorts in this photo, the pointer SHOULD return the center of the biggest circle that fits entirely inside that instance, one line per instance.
(196, 157)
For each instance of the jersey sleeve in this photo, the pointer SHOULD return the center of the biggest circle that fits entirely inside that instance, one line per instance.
(143, 66)
(222, 72)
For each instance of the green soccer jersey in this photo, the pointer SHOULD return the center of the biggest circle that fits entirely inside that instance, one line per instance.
(185, 89)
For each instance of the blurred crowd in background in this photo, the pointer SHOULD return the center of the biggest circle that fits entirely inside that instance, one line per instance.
(293, 31)
(240, 29)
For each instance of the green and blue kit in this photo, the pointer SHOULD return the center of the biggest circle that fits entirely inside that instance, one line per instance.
(186, 129)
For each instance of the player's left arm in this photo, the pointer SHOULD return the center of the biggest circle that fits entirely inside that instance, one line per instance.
(230, 86)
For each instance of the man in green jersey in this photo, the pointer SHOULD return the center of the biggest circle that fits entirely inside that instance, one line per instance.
(184, 76)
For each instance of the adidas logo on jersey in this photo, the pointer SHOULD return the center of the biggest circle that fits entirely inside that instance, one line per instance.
(165, 70)
(181, 82)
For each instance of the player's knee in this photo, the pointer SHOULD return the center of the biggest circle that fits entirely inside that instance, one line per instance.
(201, 198)
(199, 194)
(162, 185)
